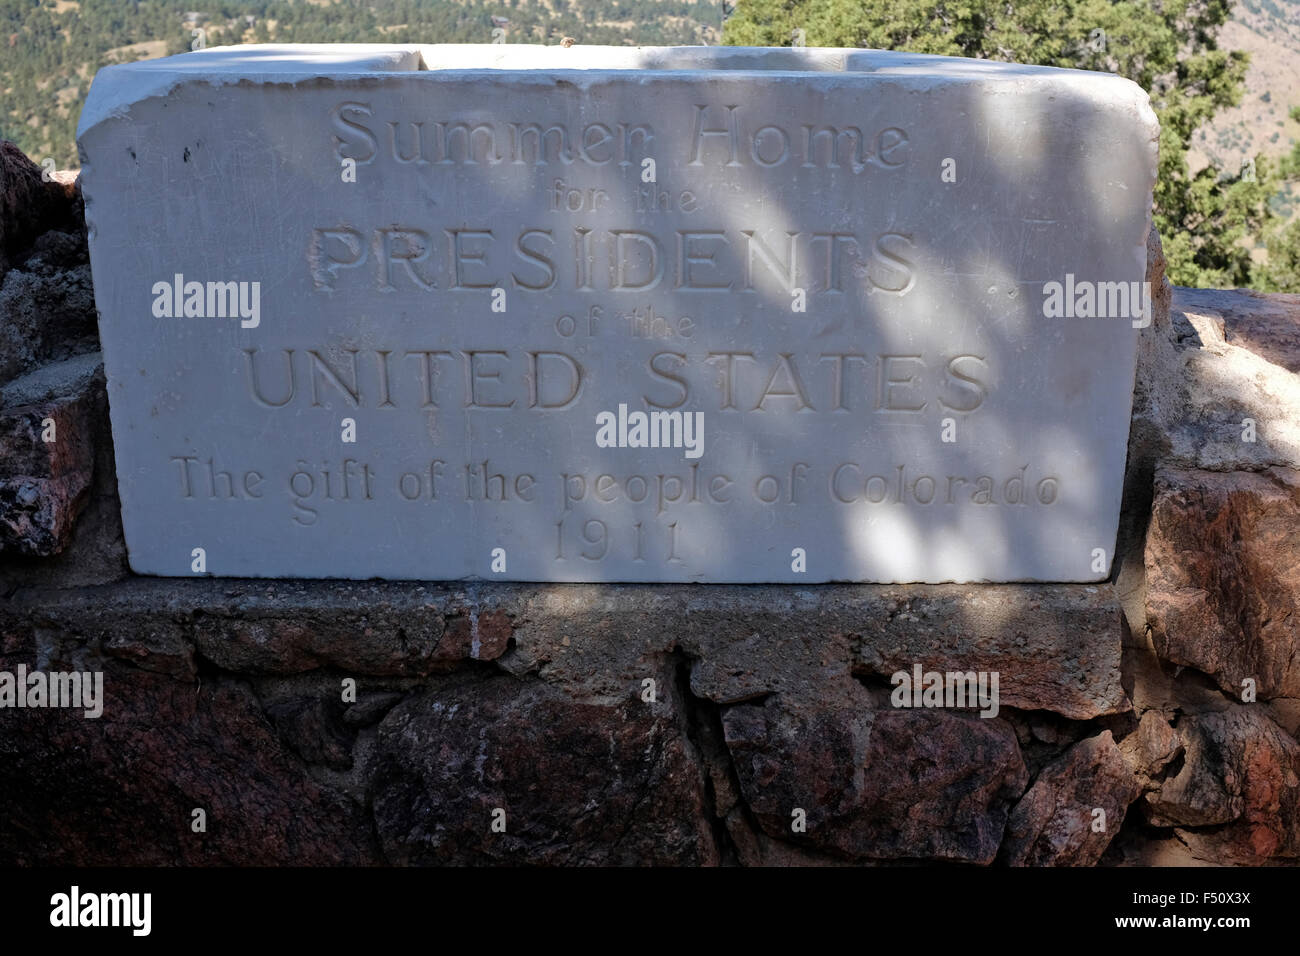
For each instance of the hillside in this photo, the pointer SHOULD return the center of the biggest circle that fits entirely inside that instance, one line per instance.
(51, 49)
(1269, 30)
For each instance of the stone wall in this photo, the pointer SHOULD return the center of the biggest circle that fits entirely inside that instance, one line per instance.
(622, 724)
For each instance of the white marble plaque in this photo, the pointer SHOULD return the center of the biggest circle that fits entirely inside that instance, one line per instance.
(601, 314)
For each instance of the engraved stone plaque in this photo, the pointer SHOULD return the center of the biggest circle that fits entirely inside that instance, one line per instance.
(601, 314)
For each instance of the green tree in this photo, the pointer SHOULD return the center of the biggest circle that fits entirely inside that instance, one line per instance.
(1281, 273)
(1207, 221)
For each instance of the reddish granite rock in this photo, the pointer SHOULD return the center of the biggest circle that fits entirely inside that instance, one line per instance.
(1203, 373)
(1151, 748)
(1240, 781)
(1266, 324)
(47, 306)
(120, 790)
(44, 485)
(1223, 576)
(313, 727)
(580, 781)
(47, 312)
(30, 205)
(1056, 823)
(883, 784)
